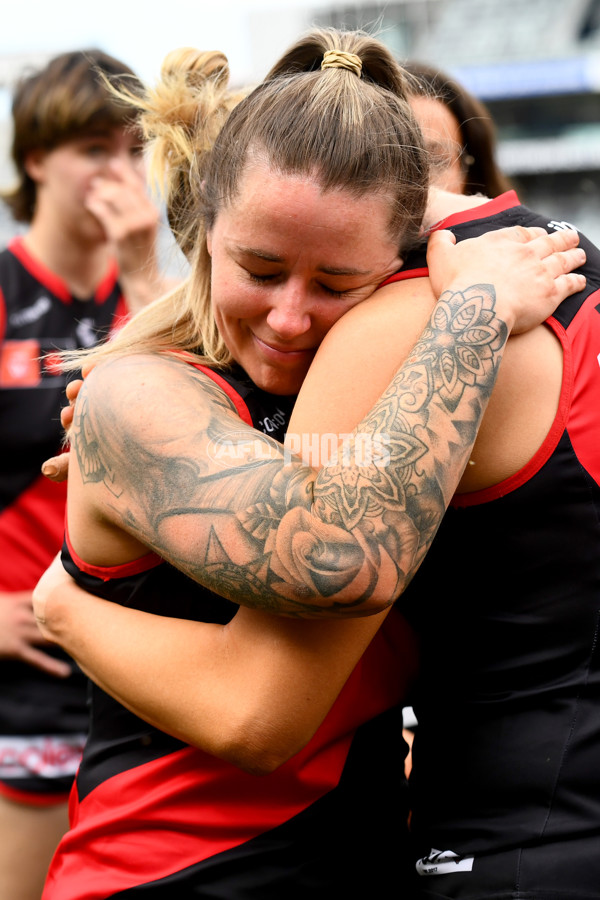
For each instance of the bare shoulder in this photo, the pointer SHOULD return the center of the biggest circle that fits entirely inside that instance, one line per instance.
(149, 393)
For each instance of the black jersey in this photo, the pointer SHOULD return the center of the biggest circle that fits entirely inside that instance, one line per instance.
(38, 317)
(154, 817)
(507, 602)
(42, 719)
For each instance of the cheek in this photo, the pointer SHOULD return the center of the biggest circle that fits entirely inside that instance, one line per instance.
(235, 299)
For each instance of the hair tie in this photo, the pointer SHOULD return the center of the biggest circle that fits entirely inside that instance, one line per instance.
(339, 59)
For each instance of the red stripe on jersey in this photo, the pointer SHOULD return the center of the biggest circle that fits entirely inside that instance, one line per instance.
(124, 570)
(584, 421)
(53, 282)
(240, 405)
(31, 534)
(121, 316)
(547, 447)
(491, 208)
(39, 271)
(405, 276)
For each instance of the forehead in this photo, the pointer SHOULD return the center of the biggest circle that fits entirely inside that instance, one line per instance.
(278, 205)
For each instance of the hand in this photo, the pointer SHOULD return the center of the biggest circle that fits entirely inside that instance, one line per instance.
(130, 219)
(120, 201)
(531, 270)
(57, 467)
(72, 392)
(19, 634)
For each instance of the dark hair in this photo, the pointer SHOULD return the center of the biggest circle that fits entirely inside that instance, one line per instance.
(347, 123)
(481, 171)
(67, 99)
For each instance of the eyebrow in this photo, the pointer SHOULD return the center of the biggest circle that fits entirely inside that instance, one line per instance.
(326, 270)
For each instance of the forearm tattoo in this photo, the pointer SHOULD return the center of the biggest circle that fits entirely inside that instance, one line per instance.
(269, 532)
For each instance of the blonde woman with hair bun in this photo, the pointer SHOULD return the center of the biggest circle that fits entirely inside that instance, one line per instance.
(226, 558)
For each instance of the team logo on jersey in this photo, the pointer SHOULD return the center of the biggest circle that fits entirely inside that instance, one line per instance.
(561, 226)
(20, 364)
(86, 336)
(30, 313)
(443, 862)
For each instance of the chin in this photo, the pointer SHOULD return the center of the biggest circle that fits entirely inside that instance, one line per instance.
(283, 385)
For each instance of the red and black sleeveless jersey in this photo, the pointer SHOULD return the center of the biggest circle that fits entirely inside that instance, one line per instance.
(38, 316)
(152, 816)
(508, 606)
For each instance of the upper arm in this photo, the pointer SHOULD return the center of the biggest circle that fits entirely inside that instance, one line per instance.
(143, 440)
(359, 357)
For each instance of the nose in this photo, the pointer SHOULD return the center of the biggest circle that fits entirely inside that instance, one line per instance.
(290, 314)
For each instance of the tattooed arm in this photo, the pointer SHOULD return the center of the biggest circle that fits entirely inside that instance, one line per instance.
(278, 535)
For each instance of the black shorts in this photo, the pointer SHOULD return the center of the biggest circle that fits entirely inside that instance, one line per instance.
(43, 728)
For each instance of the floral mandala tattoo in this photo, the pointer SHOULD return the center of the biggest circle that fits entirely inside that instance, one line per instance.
(461, 341)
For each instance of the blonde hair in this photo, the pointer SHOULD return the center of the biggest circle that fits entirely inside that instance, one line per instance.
(349, 127)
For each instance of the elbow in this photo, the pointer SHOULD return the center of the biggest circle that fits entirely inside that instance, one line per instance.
(256, 761)
(259, 748)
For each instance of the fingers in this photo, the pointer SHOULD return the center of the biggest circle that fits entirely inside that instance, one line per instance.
(75, 386)
(85, 371)
(563, 261)
(121, 202)
(72, 392)
(541, 241)
(66, 417)
(57, 468)
(40, 660)
(568, 284)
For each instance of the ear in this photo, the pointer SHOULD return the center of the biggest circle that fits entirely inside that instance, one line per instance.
(209, 242)
(34, 164)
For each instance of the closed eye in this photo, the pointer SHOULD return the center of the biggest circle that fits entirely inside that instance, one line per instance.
(261, 279)
(332, 292)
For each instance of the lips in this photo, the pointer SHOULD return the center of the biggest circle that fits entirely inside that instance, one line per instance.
(283, 353)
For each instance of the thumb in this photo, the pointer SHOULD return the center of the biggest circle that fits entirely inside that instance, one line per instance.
(439, 241)
(439, 259)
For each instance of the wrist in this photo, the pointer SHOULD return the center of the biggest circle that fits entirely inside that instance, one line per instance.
(476, 305)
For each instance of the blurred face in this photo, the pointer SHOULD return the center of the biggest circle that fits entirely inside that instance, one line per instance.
(443, 140)
(289, 259)
(64, 177)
